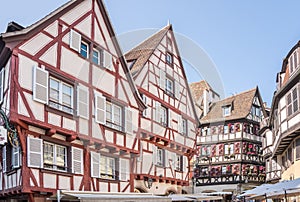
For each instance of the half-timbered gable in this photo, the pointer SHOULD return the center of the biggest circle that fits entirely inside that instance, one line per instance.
(70, 96)
(168, 125)
(229, 157)
(282, 128)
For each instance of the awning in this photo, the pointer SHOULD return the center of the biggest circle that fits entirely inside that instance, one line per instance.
(281, 189)
(87, 196)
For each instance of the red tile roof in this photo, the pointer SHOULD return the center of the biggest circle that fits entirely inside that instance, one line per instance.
(141, 53)
(241, 107)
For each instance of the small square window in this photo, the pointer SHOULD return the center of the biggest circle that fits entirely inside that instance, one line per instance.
(227, 110)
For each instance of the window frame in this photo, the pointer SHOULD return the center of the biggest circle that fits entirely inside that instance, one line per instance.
(100, 58)
(169, 59)
(225, 112)
(110, 120)
(160, 157)
(169, 89)
(84, 51)
(54, 165)
(297, 149)
(107, 166)
(163, 115)
(58, 104)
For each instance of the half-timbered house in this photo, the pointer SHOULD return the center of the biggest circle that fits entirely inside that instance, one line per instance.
(72, 107)
(168, 125)
(204, 96)
(281, 129)
(229, 155)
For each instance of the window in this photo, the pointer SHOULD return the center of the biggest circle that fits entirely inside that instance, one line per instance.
(107, 167)
(55, 156)
(184, 127)
(163, 115)
(229, 149)
(256, 111)
(144, 97)
(84, 49)
(61, 95)
(169, 86)
(289, 155)
(292, 101)
(293, 62)
(205, 150)
(1, 84)
(169, 59)
(179, 162)
(226, 110)
(97, 57)
(114, 116)
(226, 129)
(160, 157)
(298, 149)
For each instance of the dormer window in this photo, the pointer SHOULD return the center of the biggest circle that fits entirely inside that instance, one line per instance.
(226, 110)
(293, 62)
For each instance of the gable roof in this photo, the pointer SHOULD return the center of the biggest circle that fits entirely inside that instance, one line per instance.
(142, 52)
(197, 89)
(241, 106)
(25, 33)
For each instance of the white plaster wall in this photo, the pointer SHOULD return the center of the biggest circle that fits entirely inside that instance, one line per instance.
(35, 44)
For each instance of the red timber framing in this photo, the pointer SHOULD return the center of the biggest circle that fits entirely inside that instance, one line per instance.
(69, 93)
(167, 144)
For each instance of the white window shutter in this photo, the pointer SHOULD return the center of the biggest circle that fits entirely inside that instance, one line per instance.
(124, 169)
(154, 154)
(40, 85)
(35, 152)
(179, 124)
(166, 158)
(174, 159)
(77, 160)
(75, 40)
(162, 78)
(177, 89)
(157, 111)
(128, 121)
(83, 102)
(185, 164)
(16, 157)
(169, 118)
(107, 60)
(95, 164)
(100, 108)
(4, 165)
(2, 84)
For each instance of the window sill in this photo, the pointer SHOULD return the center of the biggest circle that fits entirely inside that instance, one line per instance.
(61, 112)
(114, 129)
(60, 172)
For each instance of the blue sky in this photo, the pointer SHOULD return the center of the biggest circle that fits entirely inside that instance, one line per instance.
(246, 40)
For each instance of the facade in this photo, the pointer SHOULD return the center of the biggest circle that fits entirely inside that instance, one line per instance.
(204, 96)
(72, 106)
(168, 125)
(229, 157)
(282, 128)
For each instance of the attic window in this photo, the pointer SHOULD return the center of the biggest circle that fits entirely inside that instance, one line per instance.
(169, 59)
(293, 62)
(226, 110)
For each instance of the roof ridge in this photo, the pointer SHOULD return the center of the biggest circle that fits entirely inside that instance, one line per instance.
(166, 28)
(238, 94)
